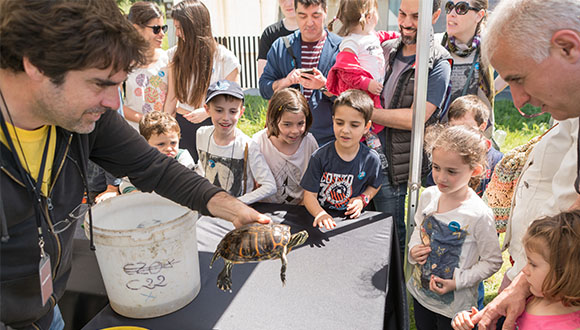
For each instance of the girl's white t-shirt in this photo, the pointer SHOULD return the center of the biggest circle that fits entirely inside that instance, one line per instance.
(369, 52)
(287, 169)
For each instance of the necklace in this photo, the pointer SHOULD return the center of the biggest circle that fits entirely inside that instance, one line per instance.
(212, 162)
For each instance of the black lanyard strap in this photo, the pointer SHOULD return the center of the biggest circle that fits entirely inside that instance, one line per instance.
(473, 64)
(33, 187)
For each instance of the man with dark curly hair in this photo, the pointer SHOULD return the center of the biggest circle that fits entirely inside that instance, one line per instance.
(61, 67)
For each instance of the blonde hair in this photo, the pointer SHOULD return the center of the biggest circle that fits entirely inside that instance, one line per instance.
(157, 122)
(351, 13)
(286, 100)
(557, 240)
(468, 142)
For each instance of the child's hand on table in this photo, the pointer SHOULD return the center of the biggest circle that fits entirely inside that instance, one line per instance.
(324, 220)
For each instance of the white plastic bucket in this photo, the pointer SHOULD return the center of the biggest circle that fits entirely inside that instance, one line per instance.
(146, 248)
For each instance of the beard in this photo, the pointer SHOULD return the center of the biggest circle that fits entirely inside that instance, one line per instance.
(54, 111)
(53, 108)
(408, 39)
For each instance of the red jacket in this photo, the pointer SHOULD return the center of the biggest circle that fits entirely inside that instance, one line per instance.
(347, 73)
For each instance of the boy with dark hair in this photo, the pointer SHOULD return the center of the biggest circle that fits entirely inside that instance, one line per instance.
(471, 111)
(468, 110)
(344, 174)
(228, 158)
(307, 3)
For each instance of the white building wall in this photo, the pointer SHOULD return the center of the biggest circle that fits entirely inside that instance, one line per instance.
(251, 17)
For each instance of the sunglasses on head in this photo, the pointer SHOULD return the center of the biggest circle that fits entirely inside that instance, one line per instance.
(461, 8)
(157, 28)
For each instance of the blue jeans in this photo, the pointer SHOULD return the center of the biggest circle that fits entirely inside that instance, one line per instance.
(480, 295)
(391, 199)
(57, 320)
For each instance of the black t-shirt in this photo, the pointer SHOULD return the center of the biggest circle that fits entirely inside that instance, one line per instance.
(270, 34)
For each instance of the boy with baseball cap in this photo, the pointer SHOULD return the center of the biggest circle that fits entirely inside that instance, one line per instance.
(228, 158)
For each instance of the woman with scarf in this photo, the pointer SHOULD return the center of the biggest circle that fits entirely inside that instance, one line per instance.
(469, 75)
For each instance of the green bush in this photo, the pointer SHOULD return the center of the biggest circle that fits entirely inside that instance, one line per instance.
(519, 129)
(254, 118)
(516, 137)
(507, 116)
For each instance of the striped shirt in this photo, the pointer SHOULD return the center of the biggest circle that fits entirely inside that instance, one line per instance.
(310, 56)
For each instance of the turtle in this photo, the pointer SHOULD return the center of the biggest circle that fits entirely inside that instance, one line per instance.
(254, 243)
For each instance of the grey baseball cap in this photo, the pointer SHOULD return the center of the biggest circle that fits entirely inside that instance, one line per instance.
(224, 87)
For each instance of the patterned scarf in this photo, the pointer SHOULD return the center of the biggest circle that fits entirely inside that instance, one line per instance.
(453, 48)
(485, 73)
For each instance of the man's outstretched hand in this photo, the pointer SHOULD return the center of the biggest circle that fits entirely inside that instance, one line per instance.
(225, 206)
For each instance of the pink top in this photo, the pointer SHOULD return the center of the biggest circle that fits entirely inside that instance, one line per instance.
(569, 321)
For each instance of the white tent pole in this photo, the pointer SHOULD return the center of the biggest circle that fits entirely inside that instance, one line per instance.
(420, 97)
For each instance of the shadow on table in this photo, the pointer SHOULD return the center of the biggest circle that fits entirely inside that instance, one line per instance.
(302, 220)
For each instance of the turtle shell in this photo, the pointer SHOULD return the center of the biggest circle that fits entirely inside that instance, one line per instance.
(254, 242)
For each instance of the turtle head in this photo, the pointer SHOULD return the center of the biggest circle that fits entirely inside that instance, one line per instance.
(298, 239)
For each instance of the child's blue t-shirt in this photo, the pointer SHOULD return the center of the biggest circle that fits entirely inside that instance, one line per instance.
(336, 180)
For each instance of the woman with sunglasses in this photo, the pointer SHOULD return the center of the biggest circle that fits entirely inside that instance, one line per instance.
(146, 86)
(469, 76)
(196, 62)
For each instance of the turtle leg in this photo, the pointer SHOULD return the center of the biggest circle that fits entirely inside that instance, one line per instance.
(224, 279)
(283, 269)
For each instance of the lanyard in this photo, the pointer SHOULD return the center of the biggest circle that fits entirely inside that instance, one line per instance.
(33, 187)
(471, 72)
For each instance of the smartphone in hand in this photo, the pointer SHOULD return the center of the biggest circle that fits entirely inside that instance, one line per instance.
(308, 71)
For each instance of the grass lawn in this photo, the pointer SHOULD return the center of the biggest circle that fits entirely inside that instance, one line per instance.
(519, 130)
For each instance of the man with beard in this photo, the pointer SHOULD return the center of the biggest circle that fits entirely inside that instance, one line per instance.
(61, 66)
(397, 100)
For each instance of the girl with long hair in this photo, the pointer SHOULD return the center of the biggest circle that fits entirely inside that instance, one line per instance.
(286, 144)
(196, 62)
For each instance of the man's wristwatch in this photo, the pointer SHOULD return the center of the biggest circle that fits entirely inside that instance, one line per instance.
(365, 199)
(323, 89)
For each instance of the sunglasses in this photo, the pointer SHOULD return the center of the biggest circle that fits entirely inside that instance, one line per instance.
(157, 28)
(461, 8)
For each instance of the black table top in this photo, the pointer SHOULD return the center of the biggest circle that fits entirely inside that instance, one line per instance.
(338, 279)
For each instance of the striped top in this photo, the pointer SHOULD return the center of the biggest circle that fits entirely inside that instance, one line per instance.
(310, 56)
